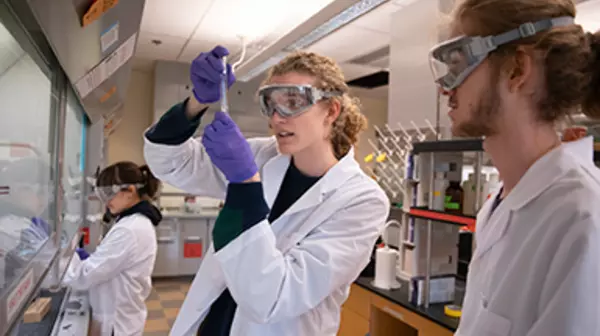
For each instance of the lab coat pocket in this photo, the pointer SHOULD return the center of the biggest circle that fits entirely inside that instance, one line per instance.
(491, 324)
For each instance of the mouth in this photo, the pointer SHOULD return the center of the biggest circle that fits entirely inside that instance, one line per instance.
(283, 135)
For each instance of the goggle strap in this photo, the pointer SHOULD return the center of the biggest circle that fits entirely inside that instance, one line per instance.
(530, 29)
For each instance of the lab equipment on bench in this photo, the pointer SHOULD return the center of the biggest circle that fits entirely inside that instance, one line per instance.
(386, 261)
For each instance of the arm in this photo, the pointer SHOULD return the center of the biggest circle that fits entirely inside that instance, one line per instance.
(180, 160)
(569, 303)
(269, 286)
(109, 259)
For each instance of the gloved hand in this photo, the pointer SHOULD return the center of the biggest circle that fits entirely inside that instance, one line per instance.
(228, 149)
(41, 226)
(82, 253)
(206, 72)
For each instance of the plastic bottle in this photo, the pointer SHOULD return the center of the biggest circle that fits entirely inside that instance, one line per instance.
(469, 195)
(439, 191)
(493, 184)
(454, 197)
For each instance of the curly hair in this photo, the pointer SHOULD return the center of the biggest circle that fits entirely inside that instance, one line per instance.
(328, 76)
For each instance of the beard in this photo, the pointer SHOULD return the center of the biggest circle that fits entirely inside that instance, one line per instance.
(483, 115)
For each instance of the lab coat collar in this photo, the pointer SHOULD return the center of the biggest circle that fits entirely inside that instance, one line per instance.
(541, 175)
(274, 172)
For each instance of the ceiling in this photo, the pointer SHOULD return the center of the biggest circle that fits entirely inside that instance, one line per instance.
(184, 35)
(179, 30)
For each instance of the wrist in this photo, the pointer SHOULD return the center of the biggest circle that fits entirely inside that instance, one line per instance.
(254, 178)
(193, 107)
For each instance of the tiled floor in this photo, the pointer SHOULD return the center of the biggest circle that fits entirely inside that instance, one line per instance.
(163, 305)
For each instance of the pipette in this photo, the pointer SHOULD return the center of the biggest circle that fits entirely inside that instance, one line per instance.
(224, 79)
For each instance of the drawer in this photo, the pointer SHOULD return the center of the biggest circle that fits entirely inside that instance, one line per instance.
(359, 301)
(352, 324)
(424, 326)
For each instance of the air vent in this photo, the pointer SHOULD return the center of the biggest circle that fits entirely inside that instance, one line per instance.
(371, 81)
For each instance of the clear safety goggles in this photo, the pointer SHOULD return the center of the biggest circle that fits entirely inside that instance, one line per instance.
(290, 100)
(454, 60)
(106, 193)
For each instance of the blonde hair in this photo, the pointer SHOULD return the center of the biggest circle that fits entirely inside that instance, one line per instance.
(328, 77)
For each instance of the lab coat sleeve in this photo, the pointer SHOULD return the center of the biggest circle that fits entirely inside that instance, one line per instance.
(270, 286)
(181, 161)
(109, 259)
(570, 303)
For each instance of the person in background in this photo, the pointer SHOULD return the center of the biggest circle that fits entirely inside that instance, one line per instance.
(117, 274)
(512, 71)
(300, 217)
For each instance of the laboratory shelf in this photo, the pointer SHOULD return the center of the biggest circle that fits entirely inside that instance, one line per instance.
(443, 217)
(454, 145)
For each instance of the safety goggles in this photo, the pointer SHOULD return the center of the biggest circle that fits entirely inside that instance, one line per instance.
(106, 193)
(454, 60)
(290, 100)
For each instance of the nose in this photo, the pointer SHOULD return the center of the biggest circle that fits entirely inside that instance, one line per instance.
(276, 118)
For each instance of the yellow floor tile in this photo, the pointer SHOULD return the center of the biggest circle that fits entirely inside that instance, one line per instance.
(153, 305)
(171, 313)
(157, 325)
(171, 296)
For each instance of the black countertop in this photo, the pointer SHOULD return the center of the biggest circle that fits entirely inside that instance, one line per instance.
(435, 312)
(44, 327)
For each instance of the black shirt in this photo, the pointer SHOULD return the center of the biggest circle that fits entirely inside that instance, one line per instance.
(220, 317)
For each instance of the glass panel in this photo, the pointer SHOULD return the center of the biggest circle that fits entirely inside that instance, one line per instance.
(26, 185)
(73, 165)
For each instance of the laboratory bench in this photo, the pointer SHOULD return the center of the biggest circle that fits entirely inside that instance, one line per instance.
(377, 312)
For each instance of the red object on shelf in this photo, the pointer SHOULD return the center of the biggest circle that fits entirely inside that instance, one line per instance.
(444, 217)
(192, 250)
(86, 235)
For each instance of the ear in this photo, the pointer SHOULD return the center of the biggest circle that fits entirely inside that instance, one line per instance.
(519, 69)
(334, 110)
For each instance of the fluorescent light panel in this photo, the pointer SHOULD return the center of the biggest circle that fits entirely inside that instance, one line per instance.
(320, 32)
(336, 22)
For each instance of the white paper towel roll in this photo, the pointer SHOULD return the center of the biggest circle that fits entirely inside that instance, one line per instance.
(385, 268)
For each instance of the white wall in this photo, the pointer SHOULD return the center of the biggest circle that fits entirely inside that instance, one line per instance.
(126, 143)
(415, 30)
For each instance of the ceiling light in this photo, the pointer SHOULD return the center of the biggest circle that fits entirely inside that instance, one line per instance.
(334, 16)
(340, 20)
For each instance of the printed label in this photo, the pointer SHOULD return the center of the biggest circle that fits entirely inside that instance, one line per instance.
(109, 37)
(19, 295)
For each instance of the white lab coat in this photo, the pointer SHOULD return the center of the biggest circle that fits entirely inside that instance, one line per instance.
(536, 267)
(289, 277)
(117, 276)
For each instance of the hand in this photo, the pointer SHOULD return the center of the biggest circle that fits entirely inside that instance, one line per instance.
(206, 72)
(82, 253)
(228, 149)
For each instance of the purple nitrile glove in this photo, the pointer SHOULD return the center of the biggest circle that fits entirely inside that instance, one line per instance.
(228, 149)
(82, 253)
(206, 73)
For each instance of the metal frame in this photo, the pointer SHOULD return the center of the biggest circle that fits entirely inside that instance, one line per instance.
(19, 20)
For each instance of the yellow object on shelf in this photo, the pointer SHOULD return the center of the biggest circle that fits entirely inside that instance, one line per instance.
(368, 158)
(453, 311)
(381, 157)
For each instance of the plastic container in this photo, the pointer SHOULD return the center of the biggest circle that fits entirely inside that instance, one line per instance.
(439, 191)
(454, 197)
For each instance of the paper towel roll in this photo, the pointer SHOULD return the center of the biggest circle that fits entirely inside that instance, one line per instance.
(385, 268)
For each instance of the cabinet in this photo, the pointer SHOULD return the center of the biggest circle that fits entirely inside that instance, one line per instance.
(366, 312)
(182, 243)
(167, 254)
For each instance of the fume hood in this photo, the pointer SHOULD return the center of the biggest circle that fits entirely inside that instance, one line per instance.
(94, 41)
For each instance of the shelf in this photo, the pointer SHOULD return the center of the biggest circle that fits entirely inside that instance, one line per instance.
(442, 217)
(456, 145)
